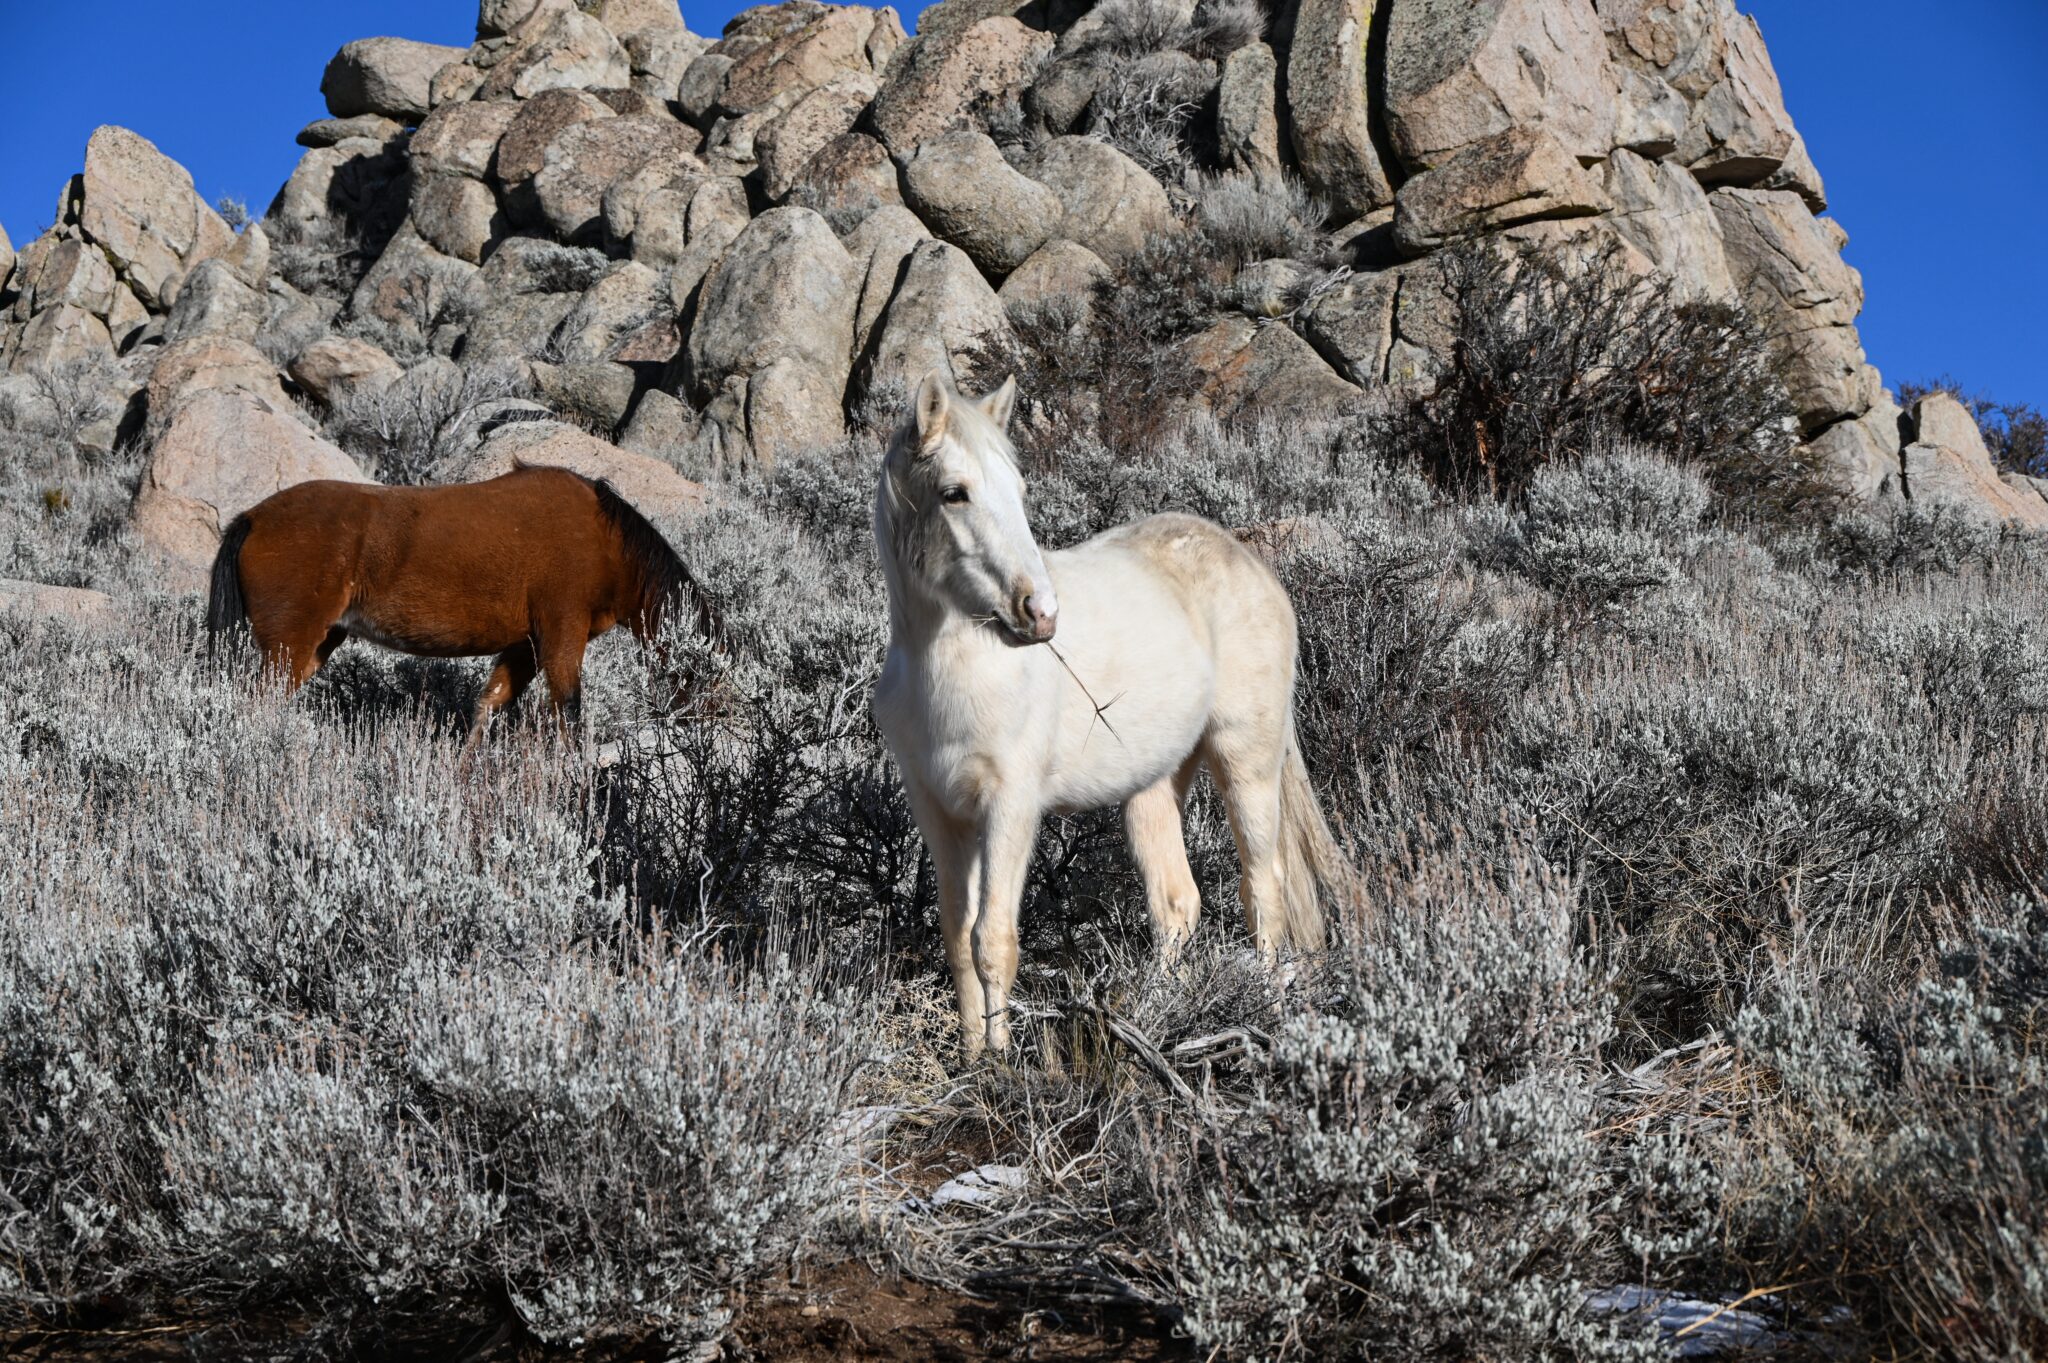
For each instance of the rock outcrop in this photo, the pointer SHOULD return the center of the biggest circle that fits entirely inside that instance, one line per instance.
(720, 250)
(387, 77)
(227, 438)
(1947, 462)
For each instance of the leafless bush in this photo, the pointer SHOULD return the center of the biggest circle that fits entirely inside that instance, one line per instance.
(289, 326)
(1606, 531)
(417, 308)
(1146, 107)
(1245, 217)
(327, 261)
(1550, 362)
(1890, 1160)
(72, 395)
(1412, 1177)
(411, 429)
(1913, 537)
(64, 517)
(388, 1047)
(1223, 26)
(1138, 28)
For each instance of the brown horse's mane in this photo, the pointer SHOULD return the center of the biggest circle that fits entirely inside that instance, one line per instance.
(662, 578)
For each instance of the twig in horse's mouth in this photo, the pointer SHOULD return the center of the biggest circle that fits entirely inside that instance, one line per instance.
(1101, 710)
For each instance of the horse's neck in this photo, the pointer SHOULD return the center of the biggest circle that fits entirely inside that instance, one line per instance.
(924, 627)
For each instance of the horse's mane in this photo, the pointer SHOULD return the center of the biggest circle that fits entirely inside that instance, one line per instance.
(663, 577)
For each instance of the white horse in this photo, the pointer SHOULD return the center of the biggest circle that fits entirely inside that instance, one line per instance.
(1175, 651)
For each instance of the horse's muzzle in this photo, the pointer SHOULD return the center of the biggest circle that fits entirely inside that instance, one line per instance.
(1036, 617)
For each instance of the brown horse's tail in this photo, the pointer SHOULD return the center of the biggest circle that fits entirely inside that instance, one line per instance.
(226, 611)
(1312, 864)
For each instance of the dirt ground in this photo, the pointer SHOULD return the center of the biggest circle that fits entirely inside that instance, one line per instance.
(851, 1314)
(843, 1313)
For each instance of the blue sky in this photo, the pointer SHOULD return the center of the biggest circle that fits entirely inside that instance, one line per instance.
(1926, 122)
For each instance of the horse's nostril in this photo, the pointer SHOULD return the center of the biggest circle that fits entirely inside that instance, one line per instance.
(1042, 614)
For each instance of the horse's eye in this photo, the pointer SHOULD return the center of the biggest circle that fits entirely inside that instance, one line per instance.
(954, 496)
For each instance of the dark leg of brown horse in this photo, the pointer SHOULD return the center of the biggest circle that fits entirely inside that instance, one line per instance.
(510, 675)
(561, 659)
(299, 659)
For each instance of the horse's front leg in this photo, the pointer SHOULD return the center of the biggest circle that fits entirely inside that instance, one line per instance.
(1007, 835)
(956, 856)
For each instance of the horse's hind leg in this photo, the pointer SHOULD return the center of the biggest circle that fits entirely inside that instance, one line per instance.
(296, 658)
(1152, 822)
(511, 673)
(1247, 763)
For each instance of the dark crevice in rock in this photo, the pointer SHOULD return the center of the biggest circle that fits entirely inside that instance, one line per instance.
(1376, 92)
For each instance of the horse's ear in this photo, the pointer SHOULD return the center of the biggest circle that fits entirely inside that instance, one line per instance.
(998, 405)
(934, 404)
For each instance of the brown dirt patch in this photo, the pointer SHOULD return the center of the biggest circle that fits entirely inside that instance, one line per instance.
(850, 1313)
(847, 1312)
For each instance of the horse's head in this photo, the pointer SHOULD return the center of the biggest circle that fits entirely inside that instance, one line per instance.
(949, 514)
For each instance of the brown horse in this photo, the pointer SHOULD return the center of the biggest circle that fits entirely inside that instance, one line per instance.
(530, 566)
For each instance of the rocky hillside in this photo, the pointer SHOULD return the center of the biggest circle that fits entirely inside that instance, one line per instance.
(715, 251)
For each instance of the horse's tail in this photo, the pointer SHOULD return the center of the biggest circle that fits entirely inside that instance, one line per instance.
(225, 609)
(1312, 864)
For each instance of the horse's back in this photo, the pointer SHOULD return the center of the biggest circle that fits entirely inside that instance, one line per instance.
(457, 569)
(1214, 576)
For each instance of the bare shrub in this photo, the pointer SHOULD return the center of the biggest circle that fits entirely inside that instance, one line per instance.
(1912, 537)
(773, 796)
(327, 261)
(1223, 26)
(72, 395)
(440, 295)
(63, 512)
(1713, 819)
(550, 267)
(1245, 217)
(1550, 362)
(1412, 1175)
(411, 429)
(1105, 370)
(289, 326)
(1891, 1158)
(1146, 107)
(389, 1048)
(1138, 28)
(1605, 531)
